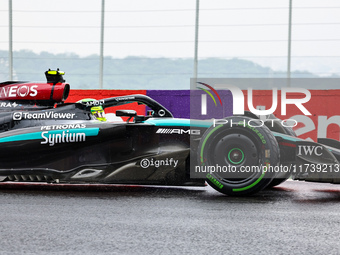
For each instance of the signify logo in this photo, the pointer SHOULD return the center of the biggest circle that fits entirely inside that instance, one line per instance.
(145, 163)
(239, 101)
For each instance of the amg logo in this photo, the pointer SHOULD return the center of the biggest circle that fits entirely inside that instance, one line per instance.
(310, 150)
(178, 131)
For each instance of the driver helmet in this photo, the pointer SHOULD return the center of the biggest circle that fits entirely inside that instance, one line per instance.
(96, 111)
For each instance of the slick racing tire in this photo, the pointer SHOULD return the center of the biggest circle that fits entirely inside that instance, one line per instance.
(235, 156)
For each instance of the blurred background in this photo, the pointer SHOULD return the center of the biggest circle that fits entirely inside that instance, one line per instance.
(151, 44)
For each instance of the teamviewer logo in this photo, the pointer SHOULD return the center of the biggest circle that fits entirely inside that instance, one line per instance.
(17, 116)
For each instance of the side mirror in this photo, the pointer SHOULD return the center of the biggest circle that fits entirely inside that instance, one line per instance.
(126, 113)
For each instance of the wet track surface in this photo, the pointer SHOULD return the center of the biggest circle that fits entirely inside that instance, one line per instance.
(294, 218)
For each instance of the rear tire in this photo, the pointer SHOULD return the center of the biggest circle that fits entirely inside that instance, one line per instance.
(236, 146)
(282, 177)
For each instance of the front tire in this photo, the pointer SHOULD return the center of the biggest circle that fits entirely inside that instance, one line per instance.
(242, 143)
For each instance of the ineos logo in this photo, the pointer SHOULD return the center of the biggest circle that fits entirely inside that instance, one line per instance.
(21, 91)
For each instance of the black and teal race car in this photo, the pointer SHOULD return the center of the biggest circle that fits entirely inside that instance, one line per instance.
(43, 139)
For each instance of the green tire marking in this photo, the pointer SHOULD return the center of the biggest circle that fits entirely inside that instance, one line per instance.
(214, 181)
(232, 160)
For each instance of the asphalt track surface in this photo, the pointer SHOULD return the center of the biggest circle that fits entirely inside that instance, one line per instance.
(294, 218)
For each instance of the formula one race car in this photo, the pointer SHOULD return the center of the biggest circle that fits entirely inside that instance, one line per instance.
(44, 139)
